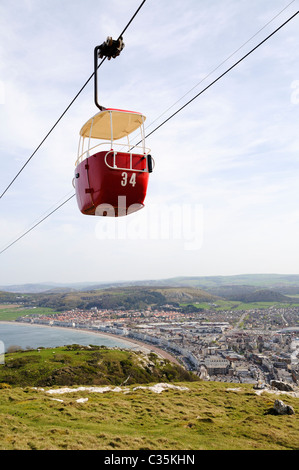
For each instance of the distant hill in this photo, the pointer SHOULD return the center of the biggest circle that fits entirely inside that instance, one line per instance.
(270, 281)
(262, 295)
(257, 280)
(9, 297)
(44, 287)
(244, 293)
(126, 298)
(185, 294)
(182, 292)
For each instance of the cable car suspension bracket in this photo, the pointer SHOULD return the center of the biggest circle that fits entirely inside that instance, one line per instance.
(111, 49)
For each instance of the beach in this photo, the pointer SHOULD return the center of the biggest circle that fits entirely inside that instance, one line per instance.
(145, 347)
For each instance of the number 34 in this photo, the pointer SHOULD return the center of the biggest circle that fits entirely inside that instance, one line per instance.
(125, 181)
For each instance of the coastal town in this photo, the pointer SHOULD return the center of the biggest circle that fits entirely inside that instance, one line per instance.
(240, 346)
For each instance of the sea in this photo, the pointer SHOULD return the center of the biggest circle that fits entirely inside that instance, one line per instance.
(35, 336)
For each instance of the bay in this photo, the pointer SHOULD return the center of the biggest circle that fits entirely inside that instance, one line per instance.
(33, 337)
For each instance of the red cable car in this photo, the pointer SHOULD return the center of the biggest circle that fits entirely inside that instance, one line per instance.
(111, 177)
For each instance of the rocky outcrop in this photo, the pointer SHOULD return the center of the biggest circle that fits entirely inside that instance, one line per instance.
(282, 386)
(281, 408)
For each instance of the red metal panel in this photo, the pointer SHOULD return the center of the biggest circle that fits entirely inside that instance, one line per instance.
(98, 184)
(84, 197)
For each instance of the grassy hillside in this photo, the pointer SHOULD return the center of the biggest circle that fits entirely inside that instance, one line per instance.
(192, 294)
(12, 312)
(257, 280)
(187, 299)
(126, 298)
(203, 282)
(112, 415)
(92, 365)
(190, 416)
(248, 294)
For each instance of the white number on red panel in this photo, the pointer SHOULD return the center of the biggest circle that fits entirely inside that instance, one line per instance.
(133, 179)
(124, 180)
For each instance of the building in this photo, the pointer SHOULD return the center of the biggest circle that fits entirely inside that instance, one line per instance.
(216, 365)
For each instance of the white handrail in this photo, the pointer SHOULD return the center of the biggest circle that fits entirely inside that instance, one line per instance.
(84, 155)
(115, 167)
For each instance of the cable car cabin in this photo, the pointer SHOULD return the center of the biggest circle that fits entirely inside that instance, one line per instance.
(111, 178)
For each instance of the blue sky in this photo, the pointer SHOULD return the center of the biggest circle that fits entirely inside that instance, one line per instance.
(223, 198)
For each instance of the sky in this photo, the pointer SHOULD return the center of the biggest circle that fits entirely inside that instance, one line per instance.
(223, 196)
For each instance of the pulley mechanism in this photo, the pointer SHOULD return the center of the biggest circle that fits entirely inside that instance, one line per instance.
(111, 48)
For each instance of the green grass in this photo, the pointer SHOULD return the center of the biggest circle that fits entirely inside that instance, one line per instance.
(93, 365)
(12, 312)
(207, 416)
(204, 416)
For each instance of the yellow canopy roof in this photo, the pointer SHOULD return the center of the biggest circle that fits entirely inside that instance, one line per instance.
(123, 122)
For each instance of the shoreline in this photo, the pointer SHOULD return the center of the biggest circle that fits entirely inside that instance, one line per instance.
(124, 339)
